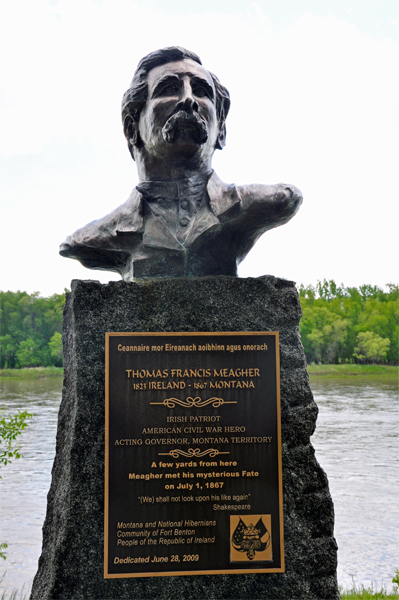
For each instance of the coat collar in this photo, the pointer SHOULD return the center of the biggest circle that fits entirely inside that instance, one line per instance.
(222, 197)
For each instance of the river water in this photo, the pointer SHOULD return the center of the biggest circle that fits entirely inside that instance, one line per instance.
(356, 442)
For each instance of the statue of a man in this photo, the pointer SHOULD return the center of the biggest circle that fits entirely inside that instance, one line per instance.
(181, 219)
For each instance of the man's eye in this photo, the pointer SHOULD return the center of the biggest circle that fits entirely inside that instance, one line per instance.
(168, 90)
(200, 91)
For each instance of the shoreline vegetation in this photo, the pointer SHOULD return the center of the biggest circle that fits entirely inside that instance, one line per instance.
(347, 370)
(31, 373)
(315, 372)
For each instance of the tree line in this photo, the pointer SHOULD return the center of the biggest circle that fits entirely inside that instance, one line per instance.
(339, 325)
(349, 324)
(31, 329)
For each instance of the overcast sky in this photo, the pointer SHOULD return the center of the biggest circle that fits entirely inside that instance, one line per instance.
(315, 94)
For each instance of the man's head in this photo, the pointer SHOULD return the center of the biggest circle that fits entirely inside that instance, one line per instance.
(174, 103)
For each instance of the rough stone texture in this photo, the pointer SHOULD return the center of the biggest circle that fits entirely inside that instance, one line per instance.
(71, 565)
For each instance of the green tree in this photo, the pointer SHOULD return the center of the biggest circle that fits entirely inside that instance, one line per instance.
(371, 347)
(55, 345)
(32, 319)
(333, 317)
(326, 334)
(29, 354)
(9, 347)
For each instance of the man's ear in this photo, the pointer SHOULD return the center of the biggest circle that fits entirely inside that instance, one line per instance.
(221, 139)
(130, 129)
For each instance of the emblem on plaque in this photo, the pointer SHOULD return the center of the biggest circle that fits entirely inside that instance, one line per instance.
(249, 541)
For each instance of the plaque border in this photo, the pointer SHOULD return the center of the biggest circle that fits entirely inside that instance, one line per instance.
(280, 569)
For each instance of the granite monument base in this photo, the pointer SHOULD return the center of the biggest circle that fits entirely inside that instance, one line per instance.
(71, 564)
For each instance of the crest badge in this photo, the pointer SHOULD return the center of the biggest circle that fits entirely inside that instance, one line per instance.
(250, 538)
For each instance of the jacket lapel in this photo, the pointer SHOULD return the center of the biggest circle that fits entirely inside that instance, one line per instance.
(203, 220)
(157, 235)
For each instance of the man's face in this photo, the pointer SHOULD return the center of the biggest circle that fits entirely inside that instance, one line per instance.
(180, 112)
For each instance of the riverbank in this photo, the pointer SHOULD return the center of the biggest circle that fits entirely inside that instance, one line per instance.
(351, 370)
(333, 371)
(31, 373)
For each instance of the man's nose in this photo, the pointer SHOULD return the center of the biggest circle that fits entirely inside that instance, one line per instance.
(187, 101)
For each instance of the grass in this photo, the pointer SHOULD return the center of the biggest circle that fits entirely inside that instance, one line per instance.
(370, 593)
(347, 370)
(31, 373)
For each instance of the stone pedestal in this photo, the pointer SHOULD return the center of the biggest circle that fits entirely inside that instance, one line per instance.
(71, 564)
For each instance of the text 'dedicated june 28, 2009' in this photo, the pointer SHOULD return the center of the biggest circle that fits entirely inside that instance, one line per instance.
(193, 480)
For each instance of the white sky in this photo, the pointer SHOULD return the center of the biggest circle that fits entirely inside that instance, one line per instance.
(315, 96)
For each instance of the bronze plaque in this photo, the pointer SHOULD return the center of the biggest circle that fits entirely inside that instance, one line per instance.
(193, 481)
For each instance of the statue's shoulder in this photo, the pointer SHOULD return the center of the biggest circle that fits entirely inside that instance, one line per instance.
(275, 203)
(233, 193)
(103, 233)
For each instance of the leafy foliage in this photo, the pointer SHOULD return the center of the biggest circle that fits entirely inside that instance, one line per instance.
(30, 329)
(346, 325)
(3, 547)
(11, 426)
(371, 347)
(55, 345)
(395, 581)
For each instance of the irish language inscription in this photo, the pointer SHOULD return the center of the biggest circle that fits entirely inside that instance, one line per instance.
(193, 454)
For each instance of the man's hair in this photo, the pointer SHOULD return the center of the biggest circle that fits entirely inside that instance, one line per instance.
(136, 96)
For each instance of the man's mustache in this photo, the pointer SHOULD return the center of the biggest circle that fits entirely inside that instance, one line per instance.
(186, 121)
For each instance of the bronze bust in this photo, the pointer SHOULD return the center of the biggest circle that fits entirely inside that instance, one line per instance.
(181, 219)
